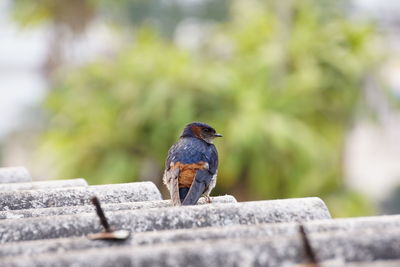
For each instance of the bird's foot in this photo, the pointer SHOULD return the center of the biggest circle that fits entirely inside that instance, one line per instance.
(207, 199)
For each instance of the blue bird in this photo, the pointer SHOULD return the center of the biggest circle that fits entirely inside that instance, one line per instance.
(192, 164)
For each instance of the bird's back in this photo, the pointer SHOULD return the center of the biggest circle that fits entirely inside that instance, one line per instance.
(192, 150)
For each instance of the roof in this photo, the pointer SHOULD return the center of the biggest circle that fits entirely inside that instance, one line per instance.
(48, 223)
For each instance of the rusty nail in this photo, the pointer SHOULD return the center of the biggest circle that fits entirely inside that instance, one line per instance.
(100, 213)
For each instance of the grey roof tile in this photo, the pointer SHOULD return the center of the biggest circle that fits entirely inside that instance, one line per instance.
(73, 196)
(331, 249)
(46, 226)
(43, 184)
(217, 214)
(41, 212)
(14, 175)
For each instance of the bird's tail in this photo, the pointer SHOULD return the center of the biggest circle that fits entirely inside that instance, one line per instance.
(197, 189)
(183, 193)
(194, 193)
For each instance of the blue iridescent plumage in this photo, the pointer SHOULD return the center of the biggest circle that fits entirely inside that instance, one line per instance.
(193, 150)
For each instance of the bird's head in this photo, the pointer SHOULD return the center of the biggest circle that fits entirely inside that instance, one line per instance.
(200, 130)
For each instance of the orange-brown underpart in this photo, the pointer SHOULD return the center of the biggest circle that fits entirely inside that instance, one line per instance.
(187, 172)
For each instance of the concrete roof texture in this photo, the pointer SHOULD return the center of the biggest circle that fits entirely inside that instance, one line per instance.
(47, 223)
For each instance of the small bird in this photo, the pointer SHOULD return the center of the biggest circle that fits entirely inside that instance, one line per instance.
(192, 164)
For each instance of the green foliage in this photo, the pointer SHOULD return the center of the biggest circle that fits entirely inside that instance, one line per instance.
(75, 15)
(279, 81)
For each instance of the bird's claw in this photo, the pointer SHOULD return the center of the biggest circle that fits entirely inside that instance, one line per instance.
(207, 199)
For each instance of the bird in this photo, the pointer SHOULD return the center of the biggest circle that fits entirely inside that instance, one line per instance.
(192, 164)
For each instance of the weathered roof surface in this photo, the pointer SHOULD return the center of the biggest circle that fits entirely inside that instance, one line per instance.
(43, 184)
(75, 196)
(66, 210)
(14, 175)
(155, 219)
(47, 226)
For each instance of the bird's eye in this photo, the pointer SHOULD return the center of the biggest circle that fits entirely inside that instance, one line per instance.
(206, 130)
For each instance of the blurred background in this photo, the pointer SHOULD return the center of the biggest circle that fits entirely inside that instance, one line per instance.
(306, 93)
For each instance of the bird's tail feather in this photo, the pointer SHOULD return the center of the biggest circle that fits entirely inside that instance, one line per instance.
(183, 193)
(194, 193)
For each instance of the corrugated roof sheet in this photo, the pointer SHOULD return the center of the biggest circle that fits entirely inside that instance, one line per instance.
(47, 223)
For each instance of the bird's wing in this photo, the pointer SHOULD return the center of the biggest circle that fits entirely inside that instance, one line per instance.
(171, 176)
(170, 179)
(200, 184)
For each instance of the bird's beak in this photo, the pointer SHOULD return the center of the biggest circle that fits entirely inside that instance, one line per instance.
(217, 135)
